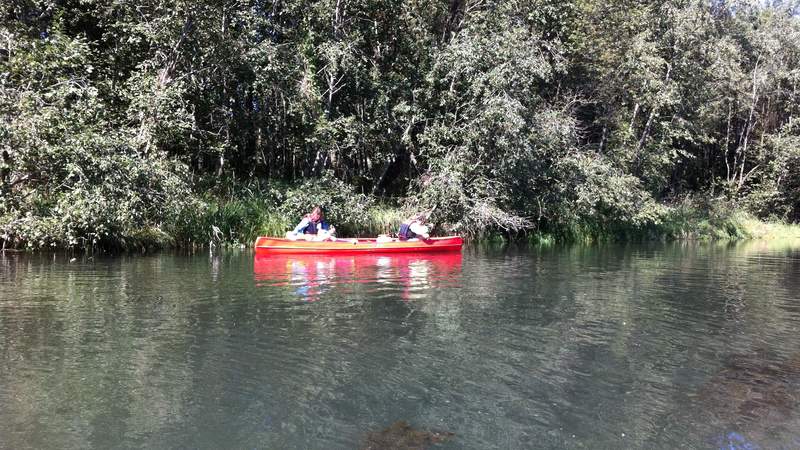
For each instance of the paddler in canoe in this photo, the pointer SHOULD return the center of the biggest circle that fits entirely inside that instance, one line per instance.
(313, 227)
(414, 228)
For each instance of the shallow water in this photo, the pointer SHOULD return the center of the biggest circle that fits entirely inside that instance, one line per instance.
(620, 346)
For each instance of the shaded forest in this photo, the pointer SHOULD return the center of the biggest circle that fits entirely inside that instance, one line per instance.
(148, 120)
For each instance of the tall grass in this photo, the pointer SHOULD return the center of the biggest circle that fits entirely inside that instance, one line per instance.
(772, 230)
(228, 220)
(687, 220)
(382, 219)
(703, 221)
(240, 222)
(233, 222)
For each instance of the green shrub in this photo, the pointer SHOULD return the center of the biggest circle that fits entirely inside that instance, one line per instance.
(106, 200)
(345, 208)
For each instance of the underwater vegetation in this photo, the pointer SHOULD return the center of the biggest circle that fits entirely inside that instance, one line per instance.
(402, 436)
(756, 398)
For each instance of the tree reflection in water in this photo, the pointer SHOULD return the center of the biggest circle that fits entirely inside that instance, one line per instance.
(313, 275)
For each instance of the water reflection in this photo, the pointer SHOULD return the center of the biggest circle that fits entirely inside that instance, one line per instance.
(407, 275)
(577, 347)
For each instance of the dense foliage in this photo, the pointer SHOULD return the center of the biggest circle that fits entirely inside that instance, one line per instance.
(120, 120)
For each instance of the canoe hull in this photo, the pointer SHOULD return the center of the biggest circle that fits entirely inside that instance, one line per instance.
(271, 246)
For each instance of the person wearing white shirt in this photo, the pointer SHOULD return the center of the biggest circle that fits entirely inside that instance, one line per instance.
(414, 228)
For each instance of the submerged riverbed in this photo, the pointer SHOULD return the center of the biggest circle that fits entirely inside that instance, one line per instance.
(616, 346)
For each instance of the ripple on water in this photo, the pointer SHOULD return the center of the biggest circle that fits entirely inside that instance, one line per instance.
(601, 347)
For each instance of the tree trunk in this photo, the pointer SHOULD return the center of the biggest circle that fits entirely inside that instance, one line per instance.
(748, 126)
(653, 113)
(727, 144)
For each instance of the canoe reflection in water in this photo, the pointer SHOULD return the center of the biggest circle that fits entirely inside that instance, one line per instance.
(407, 275)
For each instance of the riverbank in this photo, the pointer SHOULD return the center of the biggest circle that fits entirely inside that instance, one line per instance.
(236, 220)
(236, 122)
(686, 221)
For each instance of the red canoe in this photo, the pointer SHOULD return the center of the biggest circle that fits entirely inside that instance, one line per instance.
(269, 246)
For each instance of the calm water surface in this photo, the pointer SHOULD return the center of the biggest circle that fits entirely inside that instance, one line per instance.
(630, 346)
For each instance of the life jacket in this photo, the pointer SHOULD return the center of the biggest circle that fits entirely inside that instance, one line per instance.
(405, 232)
(311, 228)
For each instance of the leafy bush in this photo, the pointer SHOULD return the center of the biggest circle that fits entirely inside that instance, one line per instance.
(107, 201)
(459, 201)
(345, 208)
(67, 180)
(775, 192)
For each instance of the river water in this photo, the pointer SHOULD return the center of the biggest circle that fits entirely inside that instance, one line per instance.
(653, 346)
